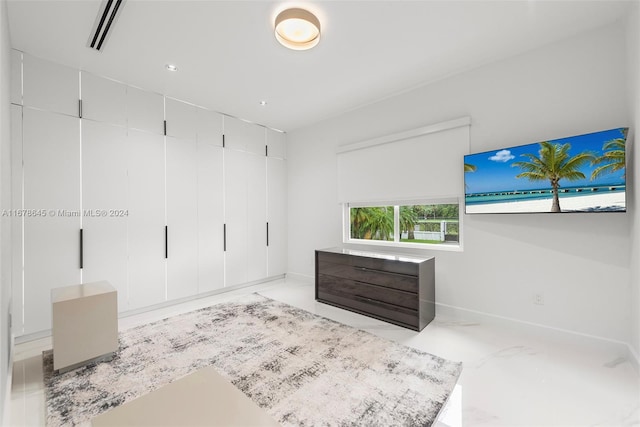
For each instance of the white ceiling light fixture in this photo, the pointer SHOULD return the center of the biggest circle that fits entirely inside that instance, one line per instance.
(297, 29)
(171, 67)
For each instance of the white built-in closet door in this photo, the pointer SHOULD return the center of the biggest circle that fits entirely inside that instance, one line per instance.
(210, 201)
(277, 202)
(276, 143)
(182, 217)
(146, 220)
(277, 215)
(51, 155)
(50, 86)
(146, 198)
(209, 127)
(16, 77)
(256, 216)
(181, 119)
(145, 111)
(182, 199)
(235, 196)
(16, 221)
(103, 100)
(104, 203)
(244, 136)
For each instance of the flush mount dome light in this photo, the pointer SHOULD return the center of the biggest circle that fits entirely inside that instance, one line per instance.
(297, 29)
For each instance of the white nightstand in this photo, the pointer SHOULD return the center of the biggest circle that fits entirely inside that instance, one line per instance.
(85, 324)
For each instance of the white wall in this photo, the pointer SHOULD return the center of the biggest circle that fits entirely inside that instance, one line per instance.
(580, 261)
(5, 203)
(633, 50)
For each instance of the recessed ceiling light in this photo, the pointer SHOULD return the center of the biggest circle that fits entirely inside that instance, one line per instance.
(297, 29)
(263, 103)
(171, 67)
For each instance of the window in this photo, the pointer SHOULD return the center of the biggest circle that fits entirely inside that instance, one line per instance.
(372, 223)
(425, 225)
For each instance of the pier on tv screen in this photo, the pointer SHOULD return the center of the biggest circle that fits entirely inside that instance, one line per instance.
(584, 173)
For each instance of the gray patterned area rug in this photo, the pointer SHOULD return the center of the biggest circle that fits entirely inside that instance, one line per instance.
(301, 368)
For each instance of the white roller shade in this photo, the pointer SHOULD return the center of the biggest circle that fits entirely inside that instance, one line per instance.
(422, 163)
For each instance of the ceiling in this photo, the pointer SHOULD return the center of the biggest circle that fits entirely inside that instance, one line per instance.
(229, 60)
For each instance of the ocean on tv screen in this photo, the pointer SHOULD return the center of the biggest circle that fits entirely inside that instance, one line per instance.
(584, 173)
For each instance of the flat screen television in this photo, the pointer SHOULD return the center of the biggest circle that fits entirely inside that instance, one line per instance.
(584, 173)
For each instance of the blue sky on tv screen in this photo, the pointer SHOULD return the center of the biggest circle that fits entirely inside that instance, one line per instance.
(495, 171)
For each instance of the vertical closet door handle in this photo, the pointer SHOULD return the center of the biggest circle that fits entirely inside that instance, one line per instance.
(166, 241)
(224, 237)
(267, 234)
(81, 250)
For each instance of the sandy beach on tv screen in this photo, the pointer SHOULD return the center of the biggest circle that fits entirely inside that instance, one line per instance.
(591, 202)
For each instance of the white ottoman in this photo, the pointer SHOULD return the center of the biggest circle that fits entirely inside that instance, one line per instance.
(85, 324)
(202, 398)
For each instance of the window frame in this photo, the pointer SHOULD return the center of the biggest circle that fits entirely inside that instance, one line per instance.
(396, 243)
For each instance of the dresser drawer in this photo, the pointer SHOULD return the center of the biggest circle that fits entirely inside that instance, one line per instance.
(395, 288)
(370, 307)
(345, 287)
(401, 282)
(378, 264)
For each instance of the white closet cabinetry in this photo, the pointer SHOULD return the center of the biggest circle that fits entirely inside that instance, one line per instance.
(244, 136)
(236, 209)
(104, 183)
(146, 198)
(16, 221)
(16, 77)
(104, 206)
(277, 202)
(182, 199)
(51, 155)
(146, 220)
(210, 201)
(103, 100)
(276, 144)
(145, 111)
(49, 86)
(152, 208)
(182, 217)
(245, 202)
(256, 216)
(277, 215)
(181, 119)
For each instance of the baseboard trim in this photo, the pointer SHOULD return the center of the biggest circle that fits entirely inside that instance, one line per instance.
(196, 297)
(621, 347)
(301, 278)
(47, 333)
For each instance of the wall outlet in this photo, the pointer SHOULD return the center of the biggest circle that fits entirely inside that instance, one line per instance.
(538, 298)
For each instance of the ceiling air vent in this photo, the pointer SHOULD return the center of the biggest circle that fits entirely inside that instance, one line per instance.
(107, 15)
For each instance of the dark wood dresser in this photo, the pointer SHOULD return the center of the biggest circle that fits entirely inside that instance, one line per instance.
(395, 288)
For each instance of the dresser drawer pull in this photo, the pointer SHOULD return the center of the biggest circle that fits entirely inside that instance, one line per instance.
(382, 303)
(385, 272)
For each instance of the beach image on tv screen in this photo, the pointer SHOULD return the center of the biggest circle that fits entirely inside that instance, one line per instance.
(584, 173)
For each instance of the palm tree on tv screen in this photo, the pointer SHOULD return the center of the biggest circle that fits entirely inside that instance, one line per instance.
(553, 163)
(612, 160)
(468, 167)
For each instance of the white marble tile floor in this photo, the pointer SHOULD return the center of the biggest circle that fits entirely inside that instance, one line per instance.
(513, 375)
